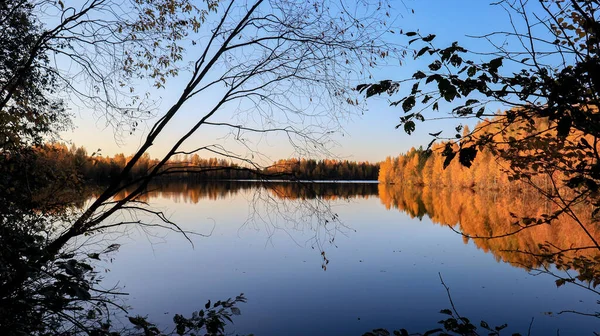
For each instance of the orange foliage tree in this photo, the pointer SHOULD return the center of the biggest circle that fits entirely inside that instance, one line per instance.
(548, 138)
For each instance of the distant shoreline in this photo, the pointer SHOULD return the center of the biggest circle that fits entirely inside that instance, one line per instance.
(298, 181)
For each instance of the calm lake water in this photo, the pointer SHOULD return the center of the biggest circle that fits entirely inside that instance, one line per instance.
(385, 256)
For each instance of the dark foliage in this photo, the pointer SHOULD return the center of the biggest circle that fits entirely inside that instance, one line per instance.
(28, 113)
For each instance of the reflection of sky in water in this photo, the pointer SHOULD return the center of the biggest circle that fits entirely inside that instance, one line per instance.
(384, 275)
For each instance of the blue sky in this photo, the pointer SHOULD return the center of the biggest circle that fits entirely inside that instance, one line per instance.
(367, 137)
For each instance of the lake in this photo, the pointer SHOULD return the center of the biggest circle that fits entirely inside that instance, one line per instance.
(304, 272)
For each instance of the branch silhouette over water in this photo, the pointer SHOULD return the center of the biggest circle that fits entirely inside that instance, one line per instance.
(494, 221)
(556, 248)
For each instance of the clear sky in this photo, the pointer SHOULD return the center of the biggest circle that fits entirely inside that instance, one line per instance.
(368, 137)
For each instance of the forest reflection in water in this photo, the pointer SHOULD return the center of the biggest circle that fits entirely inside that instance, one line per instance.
(474, 214)
(499, 215)
(384, 262)
(193, 192)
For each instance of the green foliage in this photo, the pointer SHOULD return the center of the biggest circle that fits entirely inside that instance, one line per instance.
(309, 169)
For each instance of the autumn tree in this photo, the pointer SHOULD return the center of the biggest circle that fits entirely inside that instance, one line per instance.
(548, 134)
(552, 125)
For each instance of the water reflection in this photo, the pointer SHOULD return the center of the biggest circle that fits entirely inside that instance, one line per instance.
(384, 267)
(498, 215)
(193, 192)
(475, 214)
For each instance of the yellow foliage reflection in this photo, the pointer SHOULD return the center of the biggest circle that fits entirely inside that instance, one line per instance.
(495, 214)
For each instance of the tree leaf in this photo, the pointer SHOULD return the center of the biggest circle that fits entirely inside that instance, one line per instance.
(82, 293)
(480, 112)
(472, 71)
(409, 127)
(422, 51)
(467, 155)
(419, 75)
(564, 126)
(428, 38)
(435, 66)
(498, 328)
(495, 64)
(408, 103)
(415, 89)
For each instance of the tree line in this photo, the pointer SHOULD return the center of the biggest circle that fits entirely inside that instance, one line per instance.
(489, 168)
(419, 167)
(327, 169)
(75, 165)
